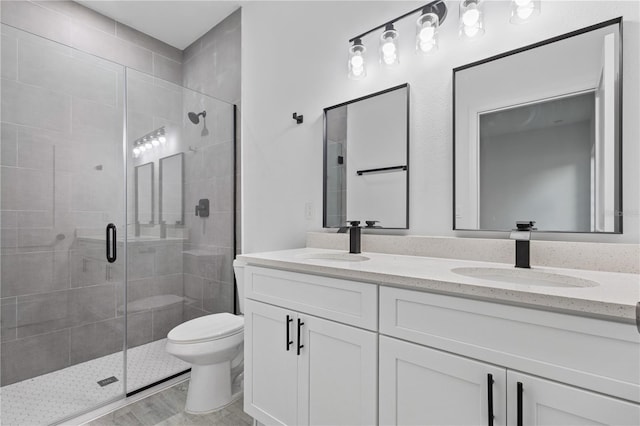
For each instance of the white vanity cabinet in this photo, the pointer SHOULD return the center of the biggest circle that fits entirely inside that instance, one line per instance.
(301, 369)
(547, 403)
(443, 378)
(424, 386)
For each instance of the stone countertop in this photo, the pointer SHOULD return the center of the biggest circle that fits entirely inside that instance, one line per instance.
(614, 298)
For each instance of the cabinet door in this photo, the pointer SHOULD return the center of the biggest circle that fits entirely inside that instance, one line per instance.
(270, 370)
(424, 386)
(545, 402)
(337, 374)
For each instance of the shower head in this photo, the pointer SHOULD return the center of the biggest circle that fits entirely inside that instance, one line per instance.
(195, 118)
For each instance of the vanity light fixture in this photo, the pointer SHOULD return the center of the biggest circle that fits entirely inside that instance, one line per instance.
(431, 17)
(427, 27)
(471, 24)
(149, 141)
(357, 65)
(523, 11)
(389, 46)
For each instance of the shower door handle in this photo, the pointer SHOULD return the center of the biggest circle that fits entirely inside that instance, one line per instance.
(111, 243)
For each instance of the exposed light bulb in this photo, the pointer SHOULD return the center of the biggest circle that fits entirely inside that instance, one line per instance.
(142, 148)
(471, 17)
(162, 139)
(357, 63)
(148, 145)
(388, 46)
(471, 31)
(155, 142)
(427, 34)
(523, 10)
(136, 151)
(427, 30)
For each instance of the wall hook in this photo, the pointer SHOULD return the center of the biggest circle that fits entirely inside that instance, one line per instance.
(299, 118)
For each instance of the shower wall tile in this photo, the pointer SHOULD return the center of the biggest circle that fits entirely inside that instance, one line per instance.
(37, 238)
(28, 273)
(169, 259)
(59, 71)
(191, 312)
(109, 47)
(212, 63)
(36, 19)
(9, 58)
(219, 157)
(140, 262)
(43, 313)
(167, 284)
(9, 239)
(166, 319)
(81, 13)
(94, 118)
(35, 155)
(167, 69)
(87, 267)
(153, 97)
(139, 329)
(141, 39)
(34, 106)
(25, 358)
(35, 219)
(222, 198)
(193, 290)
(7, 319)
(9, 145)
(26, 189)
(91, 341)
(218, 297)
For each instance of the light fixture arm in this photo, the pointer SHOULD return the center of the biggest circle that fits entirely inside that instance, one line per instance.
(438, 7)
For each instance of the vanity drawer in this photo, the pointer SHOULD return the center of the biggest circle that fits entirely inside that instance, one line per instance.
(350, 302)
(586, 352)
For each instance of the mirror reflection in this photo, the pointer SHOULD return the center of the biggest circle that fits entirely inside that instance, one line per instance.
(537, 136)
(171, 190)
(144, 194)
(366, 148)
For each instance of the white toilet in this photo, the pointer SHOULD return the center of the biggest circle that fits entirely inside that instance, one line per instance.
(213, 345)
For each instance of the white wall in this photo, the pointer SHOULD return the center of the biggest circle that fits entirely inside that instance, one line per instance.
(294, 59)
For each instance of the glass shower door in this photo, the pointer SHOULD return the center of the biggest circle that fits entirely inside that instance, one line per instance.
(181, 237)
(62, 182)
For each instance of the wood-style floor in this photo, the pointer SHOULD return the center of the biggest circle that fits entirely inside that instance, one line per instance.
(166, 408)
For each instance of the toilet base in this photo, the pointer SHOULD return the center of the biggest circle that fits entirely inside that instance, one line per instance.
(210, 388)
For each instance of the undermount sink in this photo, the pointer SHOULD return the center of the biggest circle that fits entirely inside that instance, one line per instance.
(525, 276)
(340, 257)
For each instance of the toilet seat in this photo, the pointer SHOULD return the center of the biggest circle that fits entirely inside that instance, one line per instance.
(207, 328)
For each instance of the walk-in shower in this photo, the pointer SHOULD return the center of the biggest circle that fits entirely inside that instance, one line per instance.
(77, 330)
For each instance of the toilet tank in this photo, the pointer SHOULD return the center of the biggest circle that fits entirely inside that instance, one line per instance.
(238, 269)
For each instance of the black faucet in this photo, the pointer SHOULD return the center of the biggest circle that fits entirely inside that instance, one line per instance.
(522, 235)
(354, 236)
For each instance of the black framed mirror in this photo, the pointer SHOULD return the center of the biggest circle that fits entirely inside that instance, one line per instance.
(366, 160)
(171, 190)
(537, 135)
(144, 210)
